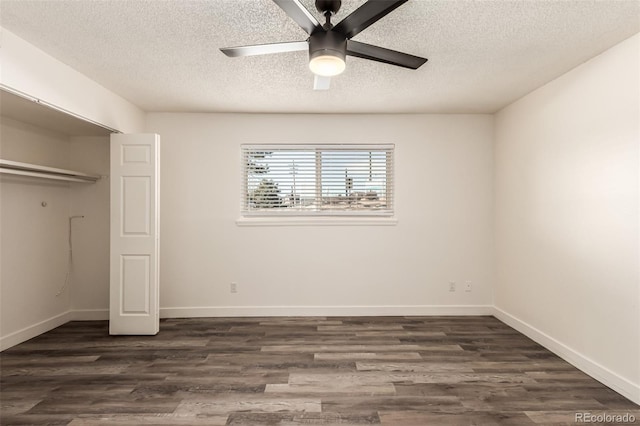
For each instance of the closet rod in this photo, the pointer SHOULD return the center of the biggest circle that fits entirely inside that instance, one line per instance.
(34, 170)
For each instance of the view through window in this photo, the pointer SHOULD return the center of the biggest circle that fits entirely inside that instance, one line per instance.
(317, 179)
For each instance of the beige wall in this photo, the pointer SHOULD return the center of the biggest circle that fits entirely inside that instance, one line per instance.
(567, 213)
(443, 174)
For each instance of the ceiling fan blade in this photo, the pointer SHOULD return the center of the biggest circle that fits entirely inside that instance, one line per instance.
(380, 54)
(366, 15)
(265, 49)
(299, 14)
(321, 82)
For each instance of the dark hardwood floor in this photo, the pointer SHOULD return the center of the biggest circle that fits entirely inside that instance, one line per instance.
(294, 371)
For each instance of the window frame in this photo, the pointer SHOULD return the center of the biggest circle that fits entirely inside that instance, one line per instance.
(318, 216)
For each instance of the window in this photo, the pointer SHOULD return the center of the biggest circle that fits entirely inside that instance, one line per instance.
(321, 180)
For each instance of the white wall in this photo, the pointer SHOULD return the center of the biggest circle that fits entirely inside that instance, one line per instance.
(33, 254)
(567, 212)
(444, 210)
(90, 271)
(29, 70)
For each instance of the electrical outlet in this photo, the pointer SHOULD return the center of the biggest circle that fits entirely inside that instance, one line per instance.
(233, 287)
(452, 286)
(467, 286)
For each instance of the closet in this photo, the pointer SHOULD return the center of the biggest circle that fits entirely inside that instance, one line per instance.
(56, 215)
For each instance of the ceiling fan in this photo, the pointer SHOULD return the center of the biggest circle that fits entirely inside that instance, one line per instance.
(329, 45)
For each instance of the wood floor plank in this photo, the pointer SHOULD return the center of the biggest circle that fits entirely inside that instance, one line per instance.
(381, 377)
(415, 367)
(359, 348)
(550, 418)
(476, 418)
(266, 404)
(332, 388)
(140, 420)
(367, 355)
(12, 406)
(292, 371)
(105, 405)
(381, 403)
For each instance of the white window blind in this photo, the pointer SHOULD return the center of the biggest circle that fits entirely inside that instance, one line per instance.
(317, 180)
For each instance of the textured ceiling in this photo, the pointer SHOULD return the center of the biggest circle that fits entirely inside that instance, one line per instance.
(163, 55)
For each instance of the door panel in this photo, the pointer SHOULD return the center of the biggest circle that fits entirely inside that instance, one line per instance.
(135, 243)
(136, 201)
(135, 284)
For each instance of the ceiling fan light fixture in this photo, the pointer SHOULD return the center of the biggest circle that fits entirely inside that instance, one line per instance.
(327, 53)
(327, 65)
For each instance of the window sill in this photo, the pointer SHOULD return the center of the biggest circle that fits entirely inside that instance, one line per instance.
(316, 221)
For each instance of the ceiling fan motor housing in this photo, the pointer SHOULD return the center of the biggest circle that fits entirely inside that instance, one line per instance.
(331, 6)
(328, 43)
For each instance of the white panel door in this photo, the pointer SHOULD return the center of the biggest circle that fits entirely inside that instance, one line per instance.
(135, 244)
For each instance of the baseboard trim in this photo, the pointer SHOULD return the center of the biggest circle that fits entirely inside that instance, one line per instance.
(602, 374)
(34, 330)
(90, 314)
(306, 311)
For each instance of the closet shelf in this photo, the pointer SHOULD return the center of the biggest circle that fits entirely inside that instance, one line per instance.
(34, 170)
